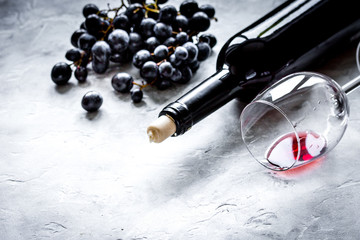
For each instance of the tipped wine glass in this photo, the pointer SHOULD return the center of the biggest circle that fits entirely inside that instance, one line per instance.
(297, 120)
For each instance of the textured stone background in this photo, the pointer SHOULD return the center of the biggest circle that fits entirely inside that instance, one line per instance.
(66, 174)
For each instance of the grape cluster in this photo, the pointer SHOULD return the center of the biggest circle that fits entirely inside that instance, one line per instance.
(162, 42)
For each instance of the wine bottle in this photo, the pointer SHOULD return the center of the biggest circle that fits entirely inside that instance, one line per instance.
(290, 38)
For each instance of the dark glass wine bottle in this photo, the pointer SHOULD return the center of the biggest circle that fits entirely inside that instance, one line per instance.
(291, 38)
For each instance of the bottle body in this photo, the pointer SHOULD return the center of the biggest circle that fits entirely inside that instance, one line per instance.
(290, 38)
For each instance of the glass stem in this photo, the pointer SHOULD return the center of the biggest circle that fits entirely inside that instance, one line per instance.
(352, 85)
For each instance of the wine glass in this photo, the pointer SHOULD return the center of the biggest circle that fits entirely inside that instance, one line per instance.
(297, 120)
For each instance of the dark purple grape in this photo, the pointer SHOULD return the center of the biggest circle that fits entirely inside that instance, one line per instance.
(149, 71)
(175, 61)
(121, 21)
(61, 73)
(208, 9)
(122, 57)
(90, 9)
(167, 14)
(153, 15)
(204, 51)
(166, 70)
(169, 42)
(192, 51)
(135, 42)
(82, 26)
(141, 57)
(194, 66)
(76, 35)
(162, 30)
(161, 1)
(118, 40)
(147, 27)
(103, 14)
(86, 41)
(85, 59)
(199, 22)
(181, 23)
(186, 75)
(73, 54)
(136, 94)
(101, 56)
(99, 67)
(122, 82)
(92, 101)
(176, 75)
(93, 24)
(181, 53)
(81, 73)
(208, 38)
(188, 8)
(163, 84)
(181, 38)
(151, 43)
(136, 1)
(161, 52)
(135, 13)
(101, 51)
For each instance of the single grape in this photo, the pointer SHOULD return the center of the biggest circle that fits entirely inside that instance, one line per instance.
(166, 70)
(162, 30)
(92, 101)
(181, 53)
(121, 21)
(188, 8)
(135, 42)
(208, 38)
(82, 26)
(169, 42)
(135, 13)
(73, 54)
(86, 41)
(147, 27)
(81, 73)
(194, 66)
(93, 24)
(176, 75)
(181, 23)
(174, 60)
(186, 74)
(153, 15)
(161, 1)
(199, 22)
(99, 67)
(161, 52)
(181, 38)
(90, 9)
(136, 94)
(122, 57)
(85, 59)
(61, 73)
(149, 71)
(118, 40)
(141, 57)
(122, 82)
(204, 51)
(76, 35)
(101, 51)
(192, 51)
(208, 9)
(163, 84)
(167, 14)
(151, 43)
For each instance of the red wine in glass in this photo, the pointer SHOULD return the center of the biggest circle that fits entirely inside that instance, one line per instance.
(287, 152)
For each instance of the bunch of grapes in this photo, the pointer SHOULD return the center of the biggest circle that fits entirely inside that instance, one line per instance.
(162, 42)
